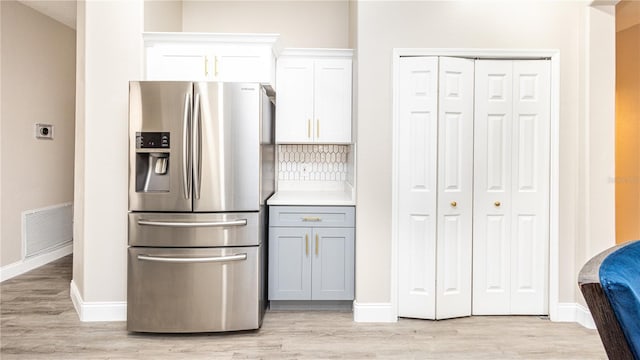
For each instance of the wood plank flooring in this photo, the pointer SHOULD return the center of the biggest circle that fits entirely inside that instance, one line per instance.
(38, 322)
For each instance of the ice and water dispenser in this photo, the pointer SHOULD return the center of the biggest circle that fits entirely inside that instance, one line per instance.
(152, 161)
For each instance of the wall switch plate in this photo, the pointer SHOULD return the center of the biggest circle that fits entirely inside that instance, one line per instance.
(44, 131)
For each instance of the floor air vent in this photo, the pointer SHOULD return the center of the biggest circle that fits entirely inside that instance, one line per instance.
(47, 228)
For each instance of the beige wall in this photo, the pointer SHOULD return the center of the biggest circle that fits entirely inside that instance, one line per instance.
(38, 79)
(585, 195)
(163, 15)
(100, 243)
(383, 26)
(322, 24)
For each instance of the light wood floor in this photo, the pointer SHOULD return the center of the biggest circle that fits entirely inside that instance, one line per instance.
(39, 322)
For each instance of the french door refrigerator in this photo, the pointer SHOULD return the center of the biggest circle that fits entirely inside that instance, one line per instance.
(201, 166)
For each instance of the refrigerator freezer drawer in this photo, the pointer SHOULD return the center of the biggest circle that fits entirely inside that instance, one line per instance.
(195, 290)
(195, 230)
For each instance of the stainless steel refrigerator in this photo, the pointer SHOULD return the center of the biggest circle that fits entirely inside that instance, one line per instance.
(201, 166)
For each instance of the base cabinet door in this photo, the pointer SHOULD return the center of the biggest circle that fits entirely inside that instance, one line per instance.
(333, 264)
(311, 253)
(289, 264)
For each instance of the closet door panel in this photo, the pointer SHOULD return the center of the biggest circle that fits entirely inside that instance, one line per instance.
(417, 193)
(473, 187)
(530, 187)
(455, 187)
(492, 187)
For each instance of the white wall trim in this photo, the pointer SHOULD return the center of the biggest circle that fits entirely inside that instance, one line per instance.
(574, 312)
(554, 203)
(97, 310)
(554, 190)
(374, 312)
(20, 267)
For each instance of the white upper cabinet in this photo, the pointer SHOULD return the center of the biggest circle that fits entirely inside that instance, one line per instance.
(175, 62)
(210, 57)
(294, 100)
(314, 97)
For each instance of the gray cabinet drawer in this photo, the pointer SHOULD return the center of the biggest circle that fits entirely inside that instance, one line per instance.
(312, 216)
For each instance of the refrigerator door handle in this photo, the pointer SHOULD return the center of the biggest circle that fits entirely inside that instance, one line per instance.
(241, 222)
(186, 159)
(196, 147)
(236, 257)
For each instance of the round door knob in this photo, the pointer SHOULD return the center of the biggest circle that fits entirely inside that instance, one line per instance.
(454, 204)
(497, 203)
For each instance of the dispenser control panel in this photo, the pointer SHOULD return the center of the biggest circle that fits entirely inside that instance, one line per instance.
(152, 140)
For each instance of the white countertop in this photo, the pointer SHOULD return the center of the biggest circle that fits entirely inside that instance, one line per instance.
(311, 198)
(313, 193)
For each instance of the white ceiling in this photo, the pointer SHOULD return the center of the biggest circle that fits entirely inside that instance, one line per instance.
(63, 11)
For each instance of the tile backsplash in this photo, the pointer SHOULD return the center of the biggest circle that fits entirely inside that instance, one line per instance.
(313, 162)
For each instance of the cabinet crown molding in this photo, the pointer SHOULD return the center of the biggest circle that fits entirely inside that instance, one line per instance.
(159, 38)
(317, 53)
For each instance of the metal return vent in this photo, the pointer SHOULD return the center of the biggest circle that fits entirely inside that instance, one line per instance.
(47, 228)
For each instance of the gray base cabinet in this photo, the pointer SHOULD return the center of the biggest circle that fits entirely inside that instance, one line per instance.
(311, 253)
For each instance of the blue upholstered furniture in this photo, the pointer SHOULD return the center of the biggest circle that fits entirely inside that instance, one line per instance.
(610, 283)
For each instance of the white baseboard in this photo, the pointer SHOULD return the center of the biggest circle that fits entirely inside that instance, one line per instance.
(97, 310)
(574, 312)
(382, 312)
(373, 312)
(26, 265)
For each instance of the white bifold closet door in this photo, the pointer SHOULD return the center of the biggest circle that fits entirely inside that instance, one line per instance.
(435, 187)
(511, 187)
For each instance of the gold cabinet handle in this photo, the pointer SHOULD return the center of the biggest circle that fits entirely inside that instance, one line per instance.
(215, 66)
(206, 66)
(306, 244)
(454, 204)
(311, 218)
(316, 244)
(317, 128)
(497, 203)
(309, 128)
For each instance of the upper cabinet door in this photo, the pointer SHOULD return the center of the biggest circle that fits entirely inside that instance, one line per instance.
(210, 57)
(243, 64)
(177, 63)
(332, 101)
(294, 110)
(314, 97)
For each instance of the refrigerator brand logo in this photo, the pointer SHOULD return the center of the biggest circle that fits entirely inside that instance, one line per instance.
(247, 89)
